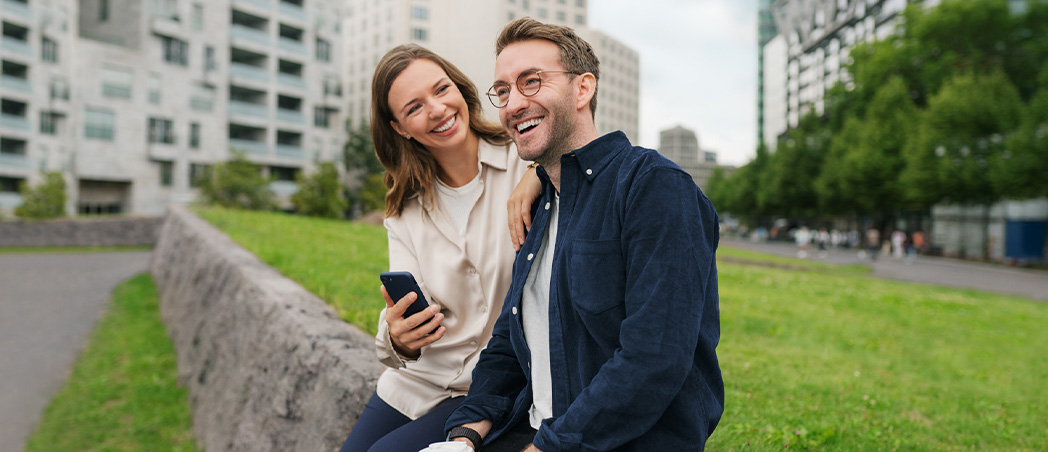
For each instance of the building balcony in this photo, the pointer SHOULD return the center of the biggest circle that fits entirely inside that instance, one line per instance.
(248, 72)
(15, 46)
(237, 108)
(290, 116)
(283, 188)
(14, 122)
(249, 147)
(248, 34)
(10, 200)
(293, 47)
(18, 9)
(15, 84)
(14, 161)
(294, 12)
(263, 4)
(291, 81)
(291, 152)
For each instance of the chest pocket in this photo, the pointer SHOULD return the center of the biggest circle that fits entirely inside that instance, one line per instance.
(598, 275)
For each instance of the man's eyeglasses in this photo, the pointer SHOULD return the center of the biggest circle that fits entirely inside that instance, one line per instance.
(529, 83)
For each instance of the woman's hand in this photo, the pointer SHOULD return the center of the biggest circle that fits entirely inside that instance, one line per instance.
(410, 334)
(519, 206)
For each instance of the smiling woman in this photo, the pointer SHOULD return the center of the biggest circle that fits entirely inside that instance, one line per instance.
(450, 176)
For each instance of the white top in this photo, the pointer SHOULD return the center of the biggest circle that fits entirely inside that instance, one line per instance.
(467, 275)
(535, 304)
(459, 201)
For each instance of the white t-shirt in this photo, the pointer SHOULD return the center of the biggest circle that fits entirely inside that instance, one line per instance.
(458, 201)
(535, 307)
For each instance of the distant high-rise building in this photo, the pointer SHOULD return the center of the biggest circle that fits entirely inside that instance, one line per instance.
(464, 33)
(681, 145)
(138, 100)
(766, 31)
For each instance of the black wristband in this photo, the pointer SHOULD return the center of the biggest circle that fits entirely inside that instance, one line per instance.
(468, 433)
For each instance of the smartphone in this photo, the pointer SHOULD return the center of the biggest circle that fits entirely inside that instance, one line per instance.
(399, 284)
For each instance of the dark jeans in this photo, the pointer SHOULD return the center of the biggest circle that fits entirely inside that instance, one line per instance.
(381, 428)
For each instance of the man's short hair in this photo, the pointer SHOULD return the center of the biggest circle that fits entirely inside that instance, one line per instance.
(576, 55)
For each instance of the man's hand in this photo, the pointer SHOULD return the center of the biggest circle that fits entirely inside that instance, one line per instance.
(532, 448)
(482, 427)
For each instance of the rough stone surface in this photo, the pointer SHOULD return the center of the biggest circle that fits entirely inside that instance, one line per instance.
(80, 232)
(268, 365)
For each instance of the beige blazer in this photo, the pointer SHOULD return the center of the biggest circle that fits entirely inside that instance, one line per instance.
(468, 277)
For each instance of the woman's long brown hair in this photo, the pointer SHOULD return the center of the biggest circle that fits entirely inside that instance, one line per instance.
(410, 168)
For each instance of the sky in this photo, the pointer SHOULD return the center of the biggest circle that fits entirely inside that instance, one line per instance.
(698, 68)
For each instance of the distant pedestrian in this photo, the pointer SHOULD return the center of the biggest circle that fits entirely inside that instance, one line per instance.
(873, 243)
(802, 236)
(898, 240)
(823, 240)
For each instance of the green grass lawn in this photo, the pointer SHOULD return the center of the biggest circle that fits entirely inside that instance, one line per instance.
(122, 393)
(815, 357)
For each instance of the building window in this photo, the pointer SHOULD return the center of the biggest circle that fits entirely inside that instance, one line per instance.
(198, 174)
(103, 10)
(59, 89)
(419, 34)
(161, 131)
(323, 50)
(322, 117)
(580, 3)
(419, 12)
(49, 122)
(194, 135)
(167, 173)
(176, 51)
(10, 184)
(154, 88)
(167, 9)
(202, 98)
(542, 13)
(580, 19)
(562, 16)
(98, 123)
(209, 58)
(332, 86)
(48, 50)
(116, 82)
(198, 16)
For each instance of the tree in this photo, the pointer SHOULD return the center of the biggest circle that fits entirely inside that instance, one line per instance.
(787, 185)
(1019, 171)
(835, 185)
(361, 166)
(962, 132)
(238, 183)
(46, 200)
(320, 194)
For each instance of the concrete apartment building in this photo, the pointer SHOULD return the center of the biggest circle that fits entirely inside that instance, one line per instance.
(148, 95)
(464, 32)
(681, 145)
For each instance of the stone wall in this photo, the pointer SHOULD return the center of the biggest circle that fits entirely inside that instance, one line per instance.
(268, 365)
(81, 232)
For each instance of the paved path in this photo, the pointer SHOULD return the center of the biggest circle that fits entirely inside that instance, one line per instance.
(48, 306)
(923, 269)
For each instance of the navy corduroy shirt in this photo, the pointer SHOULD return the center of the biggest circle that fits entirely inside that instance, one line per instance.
(634, 312)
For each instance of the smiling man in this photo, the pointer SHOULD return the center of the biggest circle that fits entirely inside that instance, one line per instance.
(607, 338)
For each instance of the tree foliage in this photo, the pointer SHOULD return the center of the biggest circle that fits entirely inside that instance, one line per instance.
(46, 200)
(365, 171)
(320, 194)
(238, 183)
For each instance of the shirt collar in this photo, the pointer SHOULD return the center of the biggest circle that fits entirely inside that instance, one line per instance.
(495, 156)
(594, 156)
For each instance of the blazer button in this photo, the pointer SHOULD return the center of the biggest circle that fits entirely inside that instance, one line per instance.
(514, 310)
(547, 206)
(531, 256)
(589, 172)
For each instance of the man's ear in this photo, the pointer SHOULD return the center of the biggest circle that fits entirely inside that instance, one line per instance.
(587, 84)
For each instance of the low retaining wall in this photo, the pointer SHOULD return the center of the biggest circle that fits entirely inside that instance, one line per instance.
(81, 232)
(268, 365)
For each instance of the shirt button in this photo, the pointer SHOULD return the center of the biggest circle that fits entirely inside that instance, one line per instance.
(483, 309)
(589, 172)
(472, 342)
(473, 270)
(531, 256)
(514, 310)
(547, 206)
